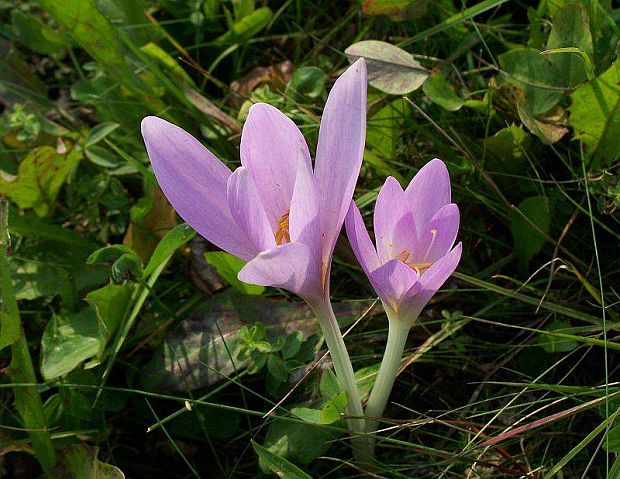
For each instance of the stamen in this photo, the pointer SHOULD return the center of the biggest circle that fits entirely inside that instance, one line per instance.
(403, 256)
(428, 250)
(282, 233)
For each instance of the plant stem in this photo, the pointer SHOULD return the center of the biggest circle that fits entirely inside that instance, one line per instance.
(398, 331)
(340, 358)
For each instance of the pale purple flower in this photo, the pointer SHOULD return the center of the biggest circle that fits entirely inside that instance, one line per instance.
(275, 211)
(415, 230)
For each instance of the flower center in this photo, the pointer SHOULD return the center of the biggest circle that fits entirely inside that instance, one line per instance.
(421, 266)
(282, 234)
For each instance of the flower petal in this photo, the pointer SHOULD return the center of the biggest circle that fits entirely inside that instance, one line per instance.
(284, 266)
(430, 281)
(194, 181)
(439, 235)
(395, 232)
(340, 150)
(269, 145)
(247, 210)
(428, 191)
(360, 240)
(391, 281)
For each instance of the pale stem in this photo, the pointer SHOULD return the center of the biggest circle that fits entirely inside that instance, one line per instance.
(342, 362)
(397, 336)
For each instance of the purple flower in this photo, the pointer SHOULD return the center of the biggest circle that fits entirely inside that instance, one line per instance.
(274, 211)
(415, 230)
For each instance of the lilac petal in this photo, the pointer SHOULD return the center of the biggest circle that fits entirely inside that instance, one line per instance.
(395, 231)
(439, 235)
(269, 145)
(428, 191)
(340, 150)
(304, 226)
(194, 181)
(391, 281)
(431, 280)
(284, 266)
(247, 210)
(360, 240)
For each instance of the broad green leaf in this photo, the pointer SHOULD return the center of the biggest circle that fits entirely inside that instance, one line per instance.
(571, 28)
(125, 261)
(439, 91)
(549, 127)
(301, 443)
(534, 218)
(68, 341)
(384, 130)
(292, 344)
(33, 280)
(80, 461)
(111, 304)
(390, 68)
(228, 267)
(527, 69)
(556, 344)
(507, 150)
(173, 240)
(612, 444)
(277, 368)
(31, 32)
(397, 10)
(280, 466)
(329, 385)
(39, 178)
(334, 408)
(307, 414)
(594, 114)
(306, 82)
(246, 28)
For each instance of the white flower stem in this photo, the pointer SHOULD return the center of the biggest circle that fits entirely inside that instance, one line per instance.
(397, 336)
(342, 362)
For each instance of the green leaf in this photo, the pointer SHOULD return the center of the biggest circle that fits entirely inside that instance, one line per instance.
(172, 241)
(80, 462)
(306, 82)
(277, 464)
(244, 29)
(307, 414)
(31, 32)
(390, 68)
(594, 115)
(507, 150)
(397, 10)
(292, 344)
(125, 261)
(612, 444)
(228, 267)
(329, 385)
(384, 130)
(102, 157)
(556, 344)
(99, 132)
(33, 280)
(571, 28)
(527, 69)
(301, 443)
(438, 90)
(68, 341)
(277, 368)
(526, 227)
(39, 178)
(110, 303)
(334, 408)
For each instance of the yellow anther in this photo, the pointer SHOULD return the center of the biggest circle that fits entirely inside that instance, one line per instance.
(282, 233)
(403, 256)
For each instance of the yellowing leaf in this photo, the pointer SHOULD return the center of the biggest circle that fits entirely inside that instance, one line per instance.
(39, 178)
